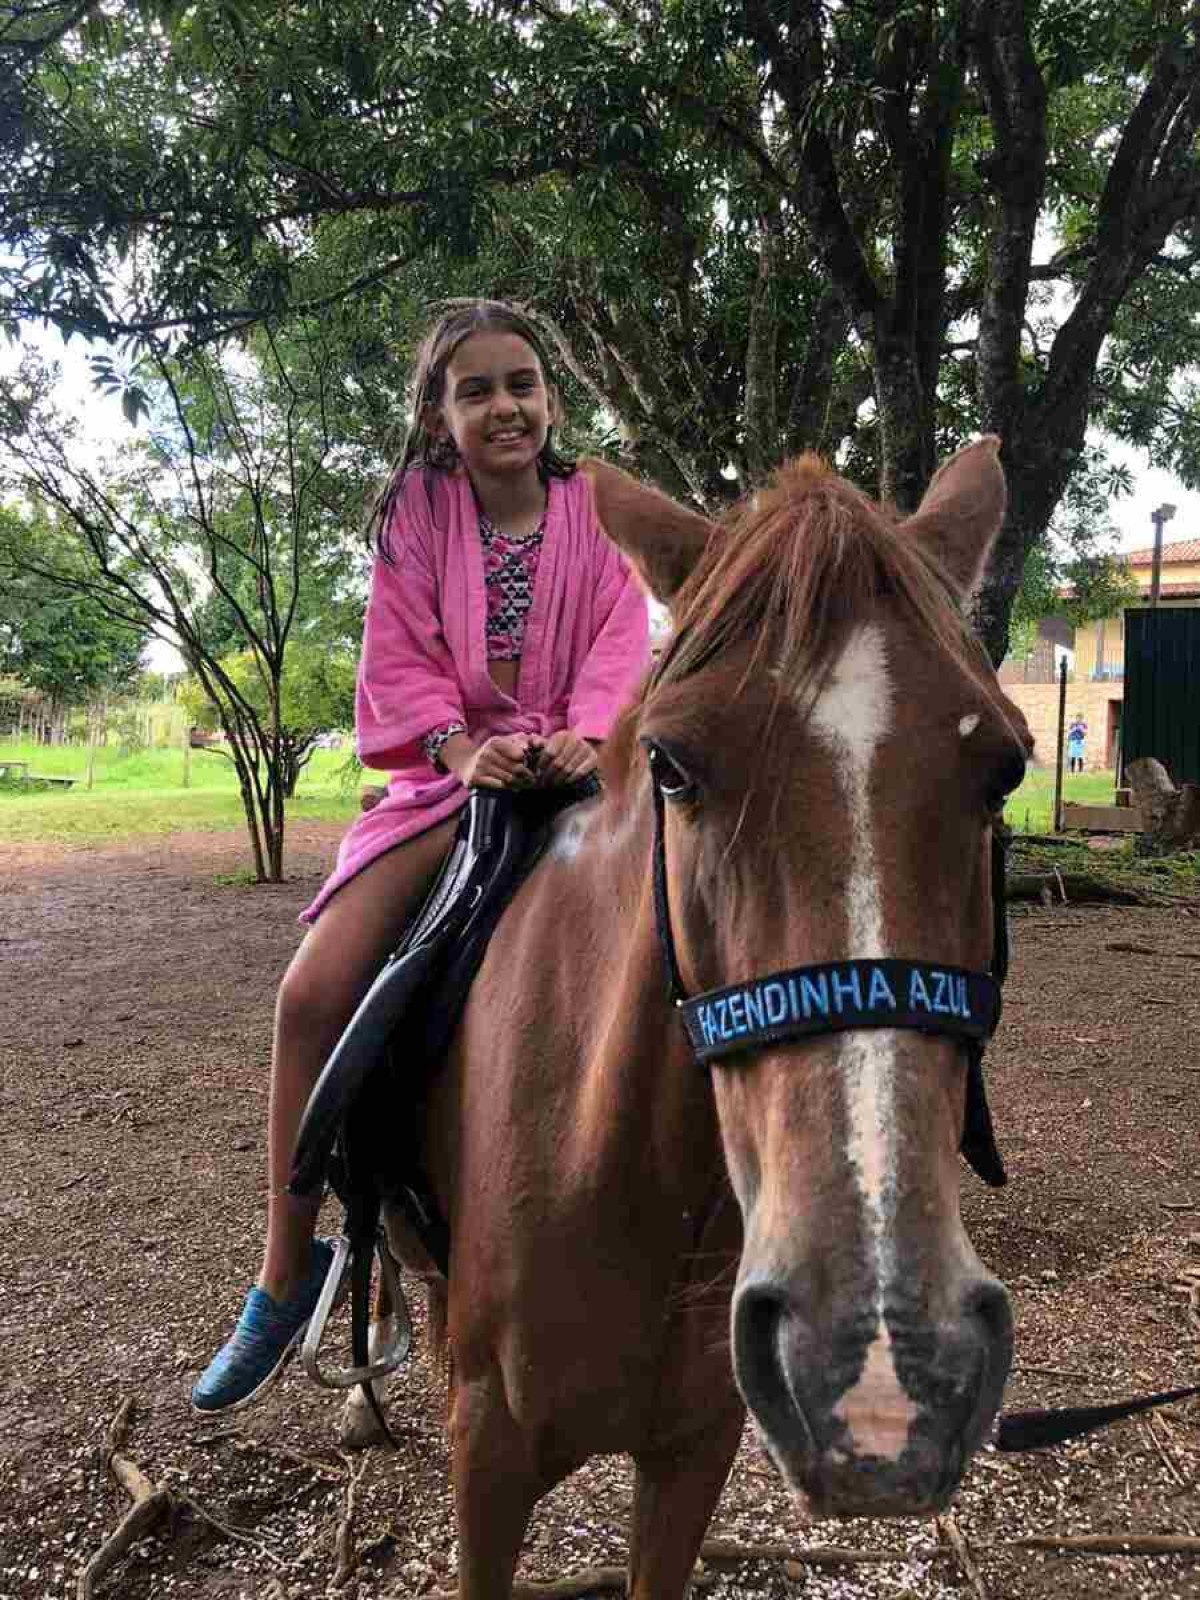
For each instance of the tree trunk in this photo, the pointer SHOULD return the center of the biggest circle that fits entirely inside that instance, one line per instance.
(992, 602)
(906, 436)
(1170, 816)
(1037, 474)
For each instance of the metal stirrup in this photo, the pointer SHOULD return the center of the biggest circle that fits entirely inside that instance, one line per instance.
(397, 1350)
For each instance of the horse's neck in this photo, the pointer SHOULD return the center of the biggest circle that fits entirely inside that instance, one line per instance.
(637, 1085)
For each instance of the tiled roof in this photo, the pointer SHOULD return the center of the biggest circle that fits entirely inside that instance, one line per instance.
(1179, 590)
(1172, 550)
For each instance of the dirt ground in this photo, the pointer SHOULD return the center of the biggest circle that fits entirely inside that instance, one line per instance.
(136, 983)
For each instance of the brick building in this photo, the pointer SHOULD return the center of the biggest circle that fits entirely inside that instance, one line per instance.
(1095, 687)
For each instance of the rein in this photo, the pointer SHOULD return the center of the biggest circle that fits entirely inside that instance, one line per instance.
(835, 997)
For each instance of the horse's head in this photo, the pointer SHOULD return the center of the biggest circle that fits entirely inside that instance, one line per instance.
(834, 748)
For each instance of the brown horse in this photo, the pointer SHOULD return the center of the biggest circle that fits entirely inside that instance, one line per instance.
(833, 747)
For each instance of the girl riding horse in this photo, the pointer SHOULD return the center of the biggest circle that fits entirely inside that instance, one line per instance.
(503, 633)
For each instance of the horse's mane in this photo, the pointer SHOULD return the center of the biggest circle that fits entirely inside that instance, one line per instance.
(792, 568)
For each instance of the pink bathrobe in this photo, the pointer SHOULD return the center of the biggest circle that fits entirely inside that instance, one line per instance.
(424, 658)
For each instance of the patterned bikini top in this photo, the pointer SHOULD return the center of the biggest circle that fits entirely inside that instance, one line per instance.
(509, 569)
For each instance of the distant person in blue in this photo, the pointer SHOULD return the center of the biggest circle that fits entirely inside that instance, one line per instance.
(1076, 739)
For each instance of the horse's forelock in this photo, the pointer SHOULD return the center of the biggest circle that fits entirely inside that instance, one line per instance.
(792, 569)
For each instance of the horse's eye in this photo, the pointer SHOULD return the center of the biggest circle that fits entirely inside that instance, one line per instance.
(673, 782)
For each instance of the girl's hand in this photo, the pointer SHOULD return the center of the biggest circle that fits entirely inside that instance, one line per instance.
(498, 763)
(565, 758)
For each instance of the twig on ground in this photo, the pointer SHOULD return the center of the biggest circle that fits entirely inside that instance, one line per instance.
(728, 1551)
(247, 1443)
(1151, 1424)
(321, 1537)
(1054, 1372)
(951, 1534)
(137, 1522)
(343, 1542)
(595, 1580)
(114, 1434)
(1149, 950)
(719, 1552)
(1108, 1544)
(151, 1503)
(223, 1528)
(713, 1552)
(206, 1440)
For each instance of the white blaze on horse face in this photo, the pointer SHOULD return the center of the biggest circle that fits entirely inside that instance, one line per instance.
(968, 724)
(852, 717)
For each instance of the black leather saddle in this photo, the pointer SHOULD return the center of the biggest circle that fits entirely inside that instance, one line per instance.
(361, 1129)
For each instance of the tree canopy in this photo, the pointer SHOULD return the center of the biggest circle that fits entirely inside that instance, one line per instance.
(64, 645)
(316, 696)
(752, 227)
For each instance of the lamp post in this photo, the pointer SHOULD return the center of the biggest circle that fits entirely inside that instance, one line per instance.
(1164, 514)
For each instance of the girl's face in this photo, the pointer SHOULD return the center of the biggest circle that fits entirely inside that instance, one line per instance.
(497, 406)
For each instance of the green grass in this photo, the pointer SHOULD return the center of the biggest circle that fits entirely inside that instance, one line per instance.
(143, 793)
(1030, 809)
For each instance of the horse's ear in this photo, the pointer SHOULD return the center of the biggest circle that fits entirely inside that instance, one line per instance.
(662, 539)
(962, 510)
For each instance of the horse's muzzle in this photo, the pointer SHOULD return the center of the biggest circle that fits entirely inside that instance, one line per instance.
(870, 1419)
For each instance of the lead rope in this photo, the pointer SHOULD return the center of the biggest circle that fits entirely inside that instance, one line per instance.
(1034, 1430)
(1043, 1426)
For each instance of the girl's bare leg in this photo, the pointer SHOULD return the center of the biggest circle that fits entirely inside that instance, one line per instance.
(329, 974)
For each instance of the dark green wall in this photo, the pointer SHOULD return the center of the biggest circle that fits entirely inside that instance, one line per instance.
(1162, 689)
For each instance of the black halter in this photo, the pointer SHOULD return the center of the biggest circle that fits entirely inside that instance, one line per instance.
(836, 996)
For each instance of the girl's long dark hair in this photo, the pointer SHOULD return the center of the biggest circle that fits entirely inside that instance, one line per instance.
(459, 320)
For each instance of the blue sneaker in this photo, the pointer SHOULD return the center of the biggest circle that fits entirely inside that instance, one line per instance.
(265, 1336)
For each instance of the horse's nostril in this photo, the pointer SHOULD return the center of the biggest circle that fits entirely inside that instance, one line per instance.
(759, 1310)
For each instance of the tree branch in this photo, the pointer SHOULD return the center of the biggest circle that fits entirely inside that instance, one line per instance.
(761, 420)
(33, 49)
(1015, 95)
(797, 74)
(1149, 189)
(813, 413)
